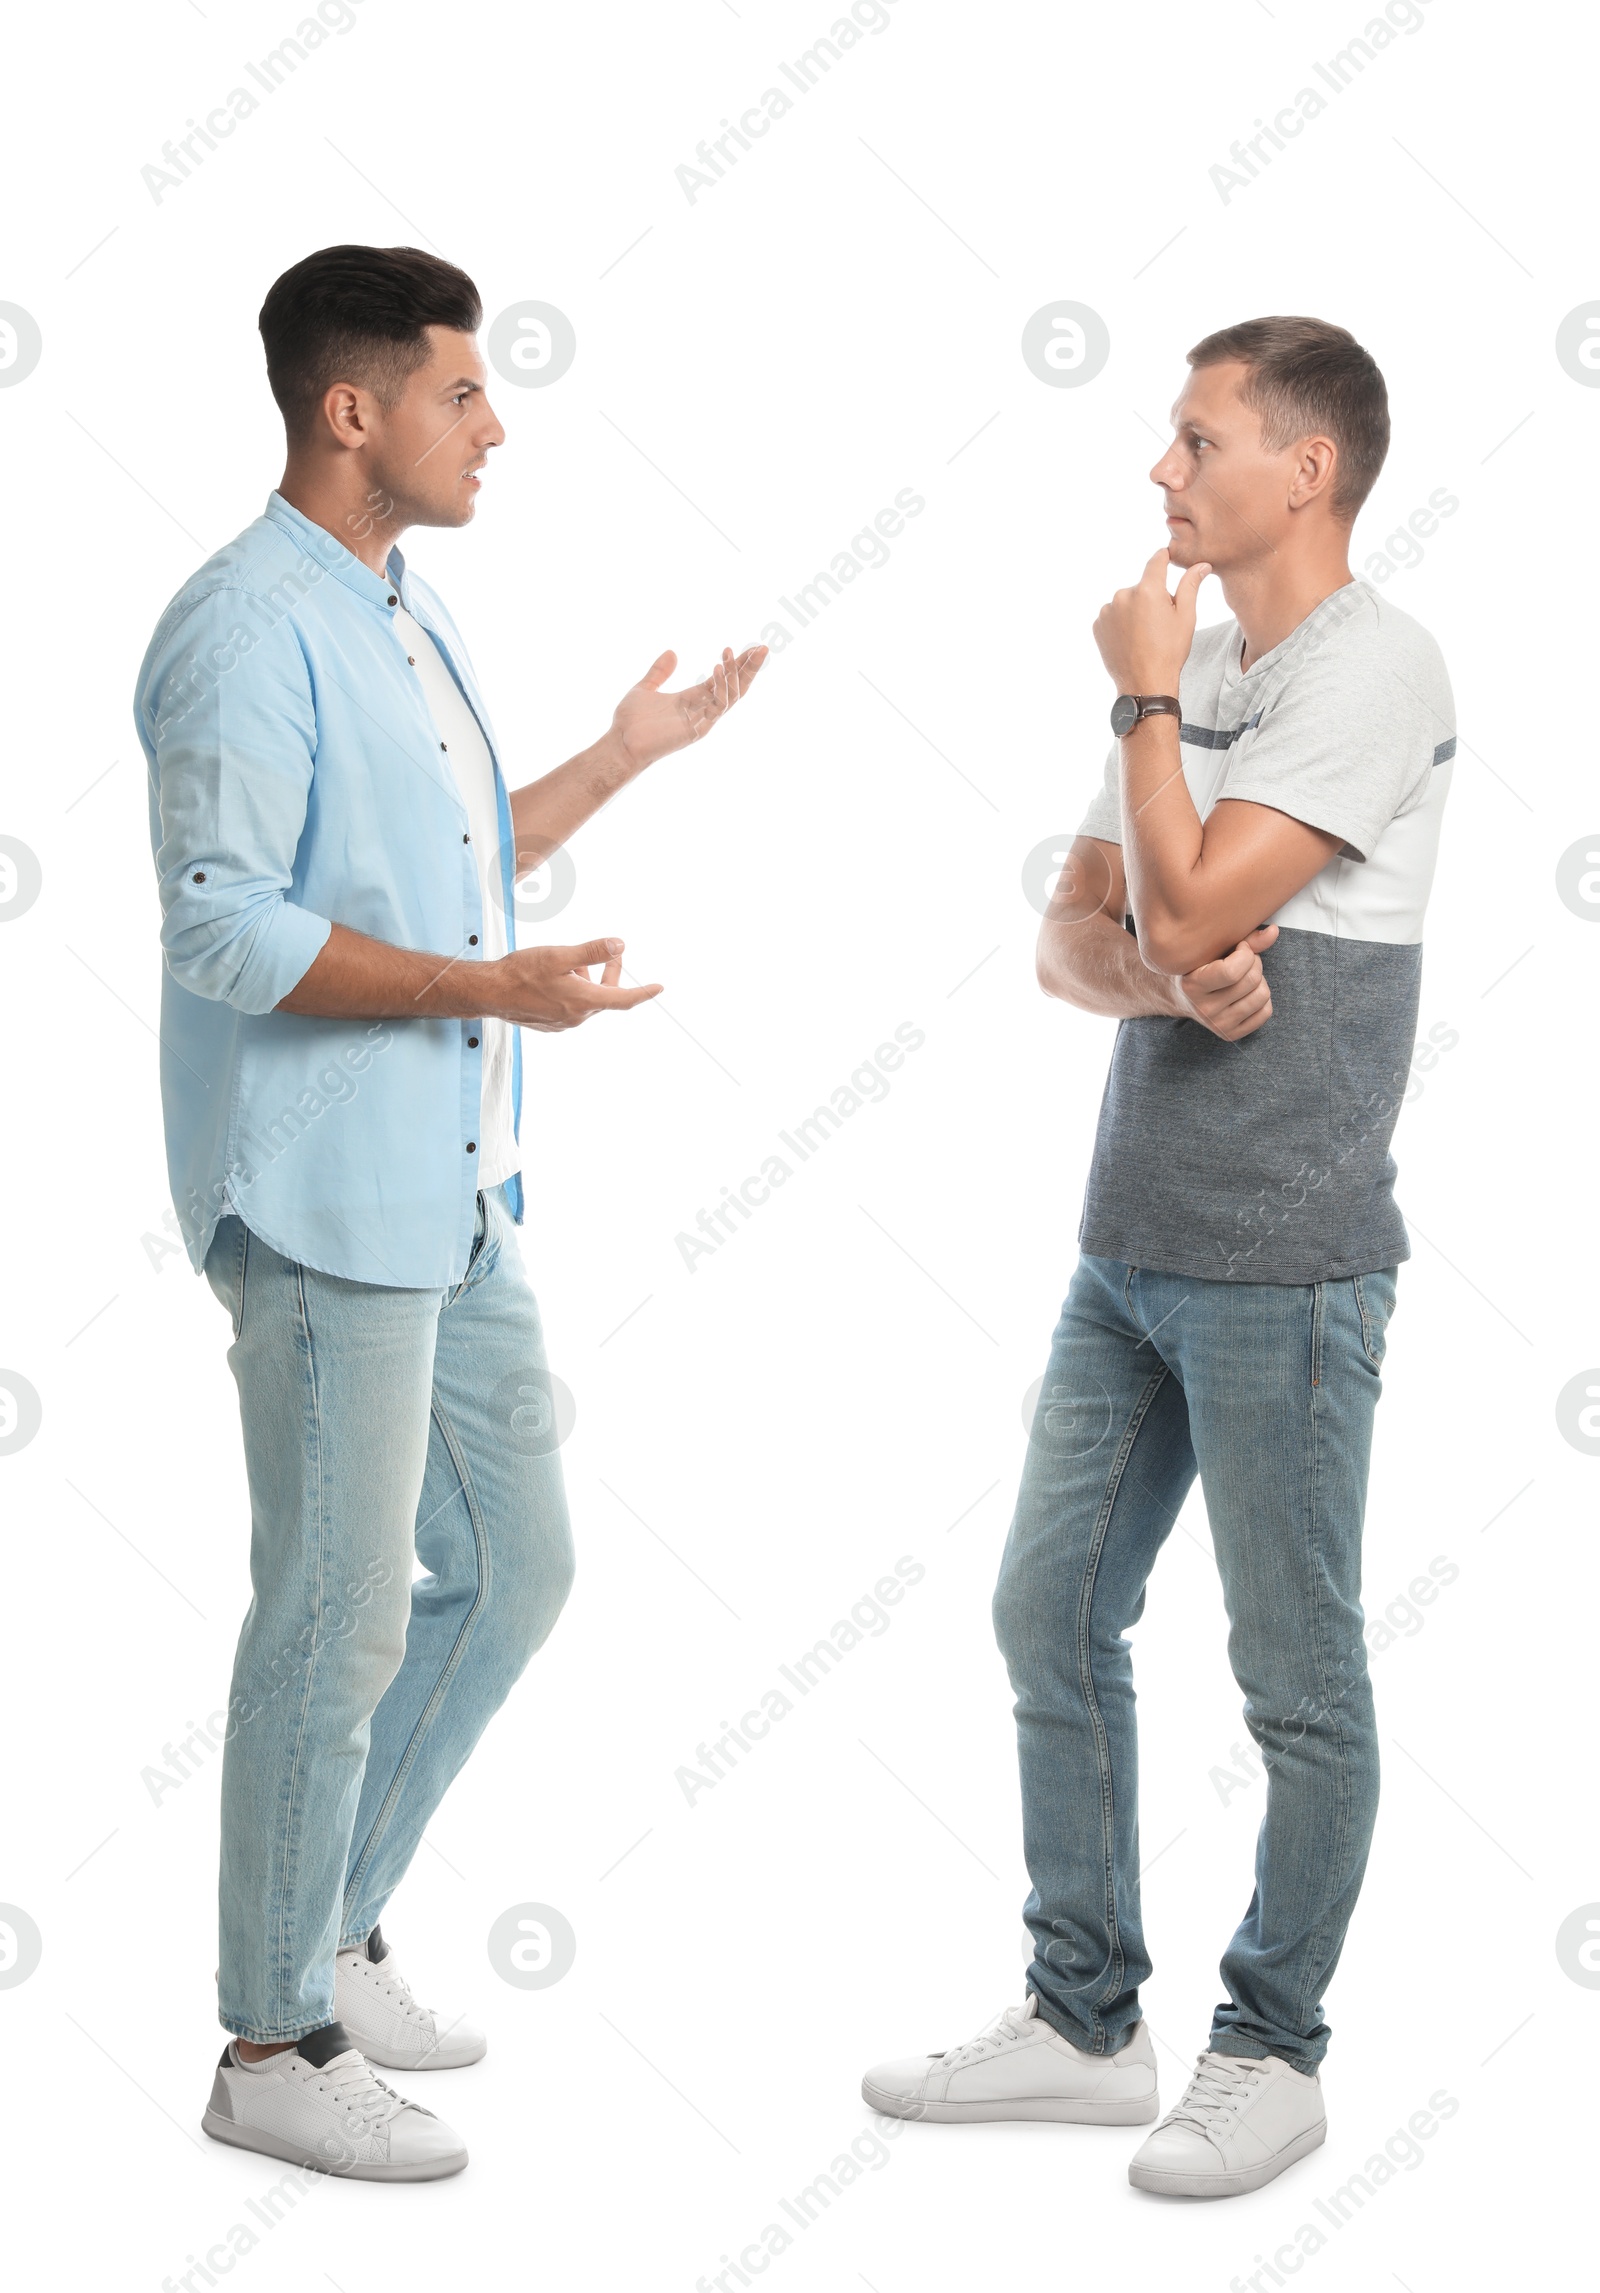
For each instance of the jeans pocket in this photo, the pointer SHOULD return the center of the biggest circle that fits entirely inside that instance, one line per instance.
(1375, 1296)
(485, 1241)
(226, 1263)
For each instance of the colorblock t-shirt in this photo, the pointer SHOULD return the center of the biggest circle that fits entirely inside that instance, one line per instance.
(1267, 1160)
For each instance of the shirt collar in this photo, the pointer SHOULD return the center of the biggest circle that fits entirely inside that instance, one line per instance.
(1335, 607)
(331, 554)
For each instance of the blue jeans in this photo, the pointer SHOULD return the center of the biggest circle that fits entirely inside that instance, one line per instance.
(1267, 1391)
(377, 1423)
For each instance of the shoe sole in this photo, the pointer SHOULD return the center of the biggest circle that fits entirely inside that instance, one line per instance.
(1228, 2185)
(294, 2153)
(1135, 2110)
(442, 2058)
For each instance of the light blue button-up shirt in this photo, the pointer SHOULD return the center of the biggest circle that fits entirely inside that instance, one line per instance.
(297, 781)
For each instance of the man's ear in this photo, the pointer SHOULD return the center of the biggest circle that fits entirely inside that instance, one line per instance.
(345, 414)
(1316, 468)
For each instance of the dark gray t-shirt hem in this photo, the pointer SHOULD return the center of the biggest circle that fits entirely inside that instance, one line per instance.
(1125, 1249)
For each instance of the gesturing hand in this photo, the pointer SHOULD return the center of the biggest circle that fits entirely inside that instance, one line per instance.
(1143, 634)
(650, 723)
(1230, 995)
(549, 988)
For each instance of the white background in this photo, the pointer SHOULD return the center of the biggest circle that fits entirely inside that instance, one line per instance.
(842, 1383)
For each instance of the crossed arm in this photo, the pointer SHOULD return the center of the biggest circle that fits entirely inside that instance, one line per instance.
(1087, 957)
(1196, 955)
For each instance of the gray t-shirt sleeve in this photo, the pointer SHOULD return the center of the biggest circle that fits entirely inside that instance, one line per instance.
(1104, 816)
(1350, 741)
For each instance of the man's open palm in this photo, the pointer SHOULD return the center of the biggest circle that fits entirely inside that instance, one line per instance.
(651, 723)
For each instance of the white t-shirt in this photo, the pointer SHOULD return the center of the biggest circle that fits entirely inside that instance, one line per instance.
(468, 754)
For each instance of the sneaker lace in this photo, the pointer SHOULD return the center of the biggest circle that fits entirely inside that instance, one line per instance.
(392, 1981)
(1216, 2092)
(359, 2092)
(1007, 2026)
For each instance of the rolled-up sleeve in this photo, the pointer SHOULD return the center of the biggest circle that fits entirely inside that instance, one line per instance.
(230, 715)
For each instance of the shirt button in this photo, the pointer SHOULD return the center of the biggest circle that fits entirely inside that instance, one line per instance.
(411, 660)
(472, 1042)
(466, 839)
(472, 939)
(199, 875)
(472, 1146)
(394, 601)
(444, 744)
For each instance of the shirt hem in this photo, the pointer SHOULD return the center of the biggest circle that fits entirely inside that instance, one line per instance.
(299, 1257)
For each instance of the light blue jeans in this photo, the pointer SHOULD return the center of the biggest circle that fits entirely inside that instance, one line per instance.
(1267, 1391)
(377, 1423)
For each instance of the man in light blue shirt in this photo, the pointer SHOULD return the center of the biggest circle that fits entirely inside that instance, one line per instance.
(341, 1072)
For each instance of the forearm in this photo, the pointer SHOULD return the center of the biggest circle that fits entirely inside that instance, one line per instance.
(545, 812)
(353, 977)
(1163, 847)
(1093, 963)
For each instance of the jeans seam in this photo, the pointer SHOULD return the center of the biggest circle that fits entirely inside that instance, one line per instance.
(447, 1671)
(1317, 1311)
(292, 1781)
(1329, 1709)
(244, 1271)
(1118, 1965)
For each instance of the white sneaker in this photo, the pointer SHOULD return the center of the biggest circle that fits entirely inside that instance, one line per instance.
(1240, 2123)
(1020, 2068)
(373, 2000)
(317, 2104)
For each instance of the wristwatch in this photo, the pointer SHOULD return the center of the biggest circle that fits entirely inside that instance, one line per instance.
(1128, 708)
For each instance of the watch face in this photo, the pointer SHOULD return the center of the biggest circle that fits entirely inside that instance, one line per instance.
(1124, 713)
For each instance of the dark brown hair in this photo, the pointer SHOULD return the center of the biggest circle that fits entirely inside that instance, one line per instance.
(1308, 377)
(358, 314)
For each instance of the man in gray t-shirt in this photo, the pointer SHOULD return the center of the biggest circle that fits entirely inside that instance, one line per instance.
(1245, 897)
(1266, 1159)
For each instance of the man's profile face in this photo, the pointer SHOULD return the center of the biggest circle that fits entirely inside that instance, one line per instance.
(426, 451)
(1226, 496)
